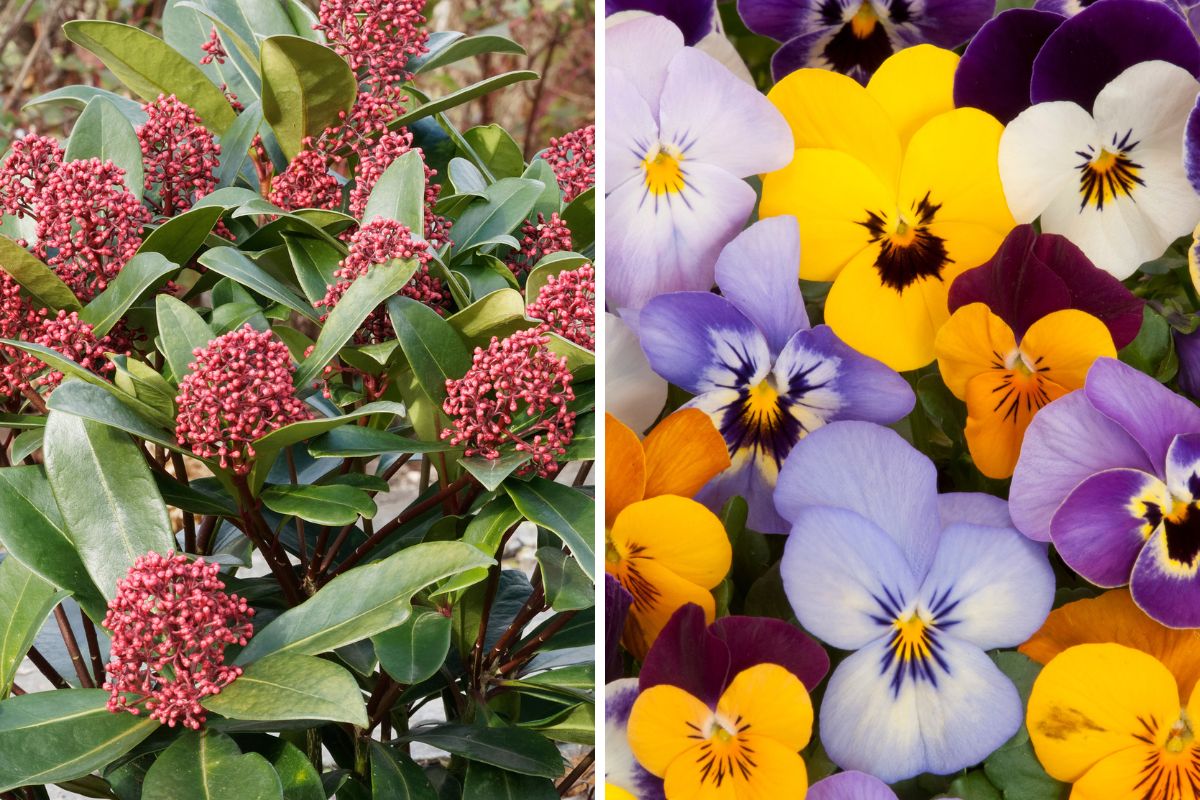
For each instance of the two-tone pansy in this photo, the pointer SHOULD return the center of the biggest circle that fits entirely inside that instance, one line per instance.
(1024, 331)
(855, 37)
(896, 192)
(918, 586)
(1111, 179)
(758, 370)
(675, 164)
(1111, 475)
(664, 548)
(1111, 720)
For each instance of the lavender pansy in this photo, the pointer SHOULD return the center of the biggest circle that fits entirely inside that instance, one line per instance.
(676, 192)
(851, 786)
(918, 587)
(621, 769)
(1111, 475)
(694, 18)
(856, 36)
(758, 370)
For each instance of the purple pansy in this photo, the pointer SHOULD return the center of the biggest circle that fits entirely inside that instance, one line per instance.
(1034, 274)
(1187, 347)
(851, 786)
(675, 188)
(1111, 475)
(918, 585)
(621, 769)
(995, 71)
(694, 18)
(616, 607)
(856, 36)
(758, 370)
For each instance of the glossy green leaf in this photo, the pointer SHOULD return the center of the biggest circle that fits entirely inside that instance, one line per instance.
(150, 67)
(580, 216)
(465, 177)
(459, 47)
(508, 748)
(206, 765)
(305, 86)
(314, 261)
(79, 96)
(324, 505)
(235, 265)
(568, 588)
(395, 776)
(362, 602)
(496, 147)
(236, 143)
(25, 444)
(583, 442)
(144, 271)
(300, 778)
(575, 724)
(288, 686)
(180, 237)
(104, 132)
(464, 95)
(186, 28)
(416, 649)
(506, 205)
(432, 347)
(552, 264)
(355, 441)
(108, 500)
(36, 279)
(182, 331)
(491, 472)
(550, 200)
(567, 512)
(47, 737)
(400, 193)
(488, 783)
(93, 402)
(25, 602)
(498, 314)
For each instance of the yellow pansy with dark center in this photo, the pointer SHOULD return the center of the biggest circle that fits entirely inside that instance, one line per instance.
(907, 249)
(1105, 176)
(664, 175)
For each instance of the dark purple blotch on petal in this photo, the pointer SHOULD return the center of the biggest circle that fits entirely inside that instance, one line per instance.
(1034, 274)
(694, 18)
(994, 72)
(1096, 45)
(1191, 147)
(616, 607)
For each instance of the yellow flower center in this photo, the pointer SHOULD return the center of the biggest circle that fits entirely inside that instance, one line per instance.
(1180, 736)
(863, 23)
(663, 172)
(762, 404)
(725, 753)
(1105, 176)
(911, 639)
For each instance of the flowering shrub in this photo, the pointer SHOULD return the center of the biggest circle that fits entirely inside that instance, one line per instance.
(926, 278)
(248, 463)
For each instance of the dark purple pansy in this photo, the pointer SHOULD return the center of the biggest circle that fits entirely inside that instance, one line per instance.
(616, 607)
(855, 36)
(1187, 347)
(693, 17)
(996, 68)
(1034, 274)
(702, 660)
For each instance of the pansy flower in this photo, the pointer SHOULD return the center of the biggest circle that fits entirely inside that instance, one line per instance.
(1111, 475)
(621, 769)
(694, 18)
(896, 191)
(851, 785)
(855, 37)
(758, 370)
(918, 586)
(677, 120)
(1111, 720)
(1112, 180)
(1025, 328)
(666, 549)
(1037, 55)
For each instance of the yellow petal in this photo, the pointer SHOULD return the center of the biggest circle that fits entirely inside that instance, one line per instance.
(831, 194)
(1086, 704)
(832, 111)
(968, 245)
(773, 772)
(1000, 405)
(616, 793)
(680, 534)
(1121, 776)
(972, 341)
(624, 470)
(663, 725)
(1063, 345)
(683, 452)
(657, 594)
(1114, 617)
(914, 86)
(770, 702)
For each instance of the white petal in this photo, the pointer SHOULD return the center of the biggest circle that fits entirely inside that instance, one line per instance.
(633, 393)
(642, 47)
(1038, 157)
(1119, 238)
(620, 767)
(1152, 99)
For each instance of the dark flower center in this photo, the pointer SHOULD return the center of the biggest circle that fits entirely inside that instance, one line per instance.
(1182, 529)
(908, 250)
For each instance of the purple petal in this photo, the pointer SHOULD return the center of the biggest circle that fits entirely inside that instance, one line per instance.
(1098, 44)
(1100, 528)
(1191, 147)
(850, 786)
(945, 23)
(758, 273)
(1067, 442)
(699, 342)
(806, 51)
(686, 654)
(746, 480)
(780, 20)
(1187, 346)
(975, 508)
(1165, 587)
(866, 389)
(620, 767)
(694, 18)
(1148, 411)
(616, 606)
(1183, 466)
(995, 70)
(760, 640)
(870, 470)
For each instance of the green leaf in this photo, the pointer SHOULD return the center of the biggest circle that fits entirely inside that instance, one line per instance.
(234, 264)
(40, 282)
(416, 649)
(186, 28)
(324, 505)
(456, 49)
(552, 264)
(575, 724)
(395, 776)
(362, 602)
(580, 216)
(314, 261)
(583, 442)
(568, 588)
(25, 444)
(550, 200)
(150, 67)
(33, 532)
(506, 204)
(1153, 351)
(974, 786)
(104, 132)
(305, 86)
(46, 737)
(432, 347)
(25, 602)
(465, 177)
(236, 143)
(509, 748)
(111, 507)
(464, 95)
(205, 765)
(289, 686)
(561, 509)
(498, 314)
(79, 96)
(488, 783)
(143, 271)
(400, 193)
(492, 472)
(182, 331)
(364, 296)
(496, 147)
(180, 237)
(300, 779)
(93, 402)
(356, 441)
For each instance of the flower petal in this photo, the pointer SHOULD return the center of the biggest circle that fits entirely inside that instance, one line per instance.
(973, 341)
(757, 273)
(1148, 411)
(1063, 346)
(975, 508)
(625, 468)
(866, 389)
(995, 70)
(657, 594)
(633, 392)
(683, 453)
(694, 18)
(688, 654)
(1166, 584)
(661, 726)
(776, 769)
(1038, 158)
(945, 23)
(850, 786)
(642, 48)
(772, 703)
(678, 534)
(746, 479)
(762, 640)
(1000, 406)
(631, 134)
(621, 769)
(914, 86)
(779, 19)
(616, 610)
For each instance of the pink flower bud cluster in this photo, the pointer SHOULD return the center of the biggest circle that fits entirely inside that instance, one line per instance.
(539, 240)
(572, 156)
(24, 173)
(307, 183)
(516, 391)
(373, 162)
(567, 304)
(376, 37)
(213, 49)
(379, 241)
(171, 622)
(18, 320)
(238, 389)
(181, 157)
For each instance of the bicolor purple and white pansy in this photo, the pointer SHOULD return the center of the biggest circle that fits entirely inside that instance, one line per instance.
(758, 370)
(621, 769)
(675, 183)
(1111, 475)
(919, 585)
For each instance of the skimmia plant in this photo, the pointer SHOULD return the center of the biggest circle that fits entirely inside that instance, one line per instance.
(289, 367)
